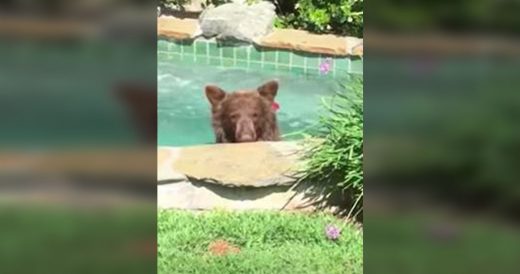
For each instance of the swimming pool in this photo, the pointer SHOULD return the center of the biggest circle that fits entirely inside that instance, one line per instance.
(184, 113)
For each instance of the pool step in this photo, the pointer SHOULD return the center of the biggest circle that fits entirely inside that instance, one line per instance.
(245, 176)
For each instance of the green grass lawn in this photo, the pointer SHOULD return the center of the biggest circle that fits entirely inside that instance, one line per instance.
(269, 243)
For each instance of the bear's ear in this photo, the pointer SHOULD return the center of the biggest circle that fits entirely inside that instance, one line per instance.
(269, 90)
(215, 94)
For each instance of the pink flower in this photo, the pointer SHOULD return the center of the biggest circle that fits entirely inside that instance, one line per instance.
(332, 232)
(326, 65)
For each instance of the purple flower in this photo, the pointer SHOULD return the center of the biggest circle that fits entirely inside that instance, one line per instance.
(326, 65)
(332, 232)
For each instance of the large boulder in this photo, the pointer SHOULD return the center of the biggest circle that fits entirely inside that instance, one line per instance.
(235, 21)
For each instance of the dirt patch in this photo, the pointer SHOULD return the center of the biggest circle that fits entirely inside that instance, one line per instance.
(222, 248)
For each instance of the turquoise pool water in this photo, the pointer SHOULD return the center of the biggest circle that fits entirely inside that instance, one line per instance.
(184, 113)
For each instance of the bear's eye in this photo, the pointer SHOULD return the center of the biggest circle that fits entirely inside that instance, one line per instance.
(255, 115)
(234, 116)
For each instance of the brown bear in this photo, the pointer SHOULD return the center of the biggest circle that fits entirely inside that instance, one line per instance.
(244, 116)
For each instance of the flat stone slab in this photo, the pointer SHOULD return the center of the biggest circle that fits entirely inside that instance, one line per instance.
(304, 41)
(357, 48)
(258, 164)
(165, 158)
(177, 28)
(189, 196)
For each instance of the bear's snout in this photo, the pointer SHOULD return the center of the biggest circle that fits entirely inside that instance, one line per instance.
(245, 131)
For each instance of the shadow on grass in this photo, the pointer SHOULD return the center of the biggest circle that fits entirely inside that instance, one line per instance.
(324, 197)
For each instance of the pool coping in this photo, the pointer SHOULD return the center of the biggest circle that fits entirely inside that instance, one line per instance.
(286, 39)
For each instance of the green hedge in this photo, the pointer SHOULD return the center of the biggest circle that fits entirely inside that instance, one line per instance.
(342, 17)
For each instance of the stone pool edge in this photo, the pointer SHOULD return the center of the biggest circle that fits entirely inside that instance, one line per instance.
(283, 39)
(257, 164)
(178, 166)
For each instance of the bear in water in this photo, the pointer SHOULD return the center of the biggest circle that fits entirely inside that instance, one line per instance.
(244, 116)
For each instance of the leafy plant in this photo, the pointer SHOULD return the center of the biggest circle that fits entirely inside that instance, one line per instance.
(342, 17)
(335, 162)
(215, 3)
(178, 4)
(173, 4)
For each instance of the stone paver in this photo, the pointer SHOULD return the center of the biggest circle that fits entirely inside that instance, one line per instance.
(303, 41)
(177, 28)
(165, 157)
(355, 46)
(185, 195)
(247, 176)
(249, 164)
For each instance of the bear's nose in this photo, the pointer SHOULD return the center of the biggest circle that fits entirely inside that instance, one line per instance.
(246, 138)
(245, 131)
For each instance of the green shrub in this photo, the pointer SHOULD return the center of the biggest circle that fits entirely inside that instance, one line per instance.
(178, 4)
(342, 17)
(173, 4)
(335, 163)
(215, 3)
